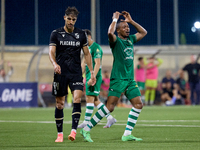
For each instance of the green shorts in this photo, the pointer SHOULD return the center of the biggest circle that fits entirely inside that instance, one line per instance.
(94, 90)
(128, 87)
(151, 83)
(141, 85)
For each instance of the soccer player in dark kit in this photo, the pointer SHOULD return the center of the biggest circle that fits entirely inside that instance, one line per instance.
(64, 53)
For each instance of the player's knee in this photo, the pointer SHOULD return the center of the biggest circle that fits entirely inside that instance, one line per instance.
(110, 107)
(77, 100)
(60, 104)
(140, 105)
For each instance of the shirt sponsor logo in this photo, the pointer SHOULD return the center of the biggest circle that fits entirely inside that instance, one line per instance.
(129, 53)
(70, 43)
(16, 95)
(78, 83)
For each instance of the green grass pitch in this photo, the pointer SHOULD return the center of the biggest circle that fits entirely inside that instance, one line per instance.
(161, 128)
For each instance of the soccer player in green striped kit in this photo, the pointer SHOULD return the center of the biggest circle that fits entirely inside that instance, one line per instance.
(92, 92)
(122, 75)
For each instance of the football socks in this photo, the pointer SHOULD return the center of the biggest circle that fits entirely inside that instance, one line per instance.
(132, 119)
(88, 112)
(76, 114)
(59, 119)
(102, 111)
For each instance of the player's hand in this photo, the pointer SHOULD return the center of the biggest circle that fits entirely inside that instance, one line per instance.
(92, 80)
(127, 16)
(116, 15)
(57, 69)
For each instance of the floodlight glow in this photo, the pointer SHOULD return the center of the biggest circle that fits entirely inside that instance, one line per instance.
(197, 25)
(193, 29)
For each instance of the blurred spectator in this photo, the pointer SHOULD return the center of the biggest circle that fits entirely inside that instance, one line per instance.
(170, 95)
(105, 85)
(168, 78)
(193, 75)
(140, 77)
(3, 76)
(181, 87)
(151, 79)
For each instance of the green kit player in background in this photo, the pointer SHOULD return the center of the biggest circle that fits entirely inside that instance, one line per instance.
(122, 75)
(92, 92)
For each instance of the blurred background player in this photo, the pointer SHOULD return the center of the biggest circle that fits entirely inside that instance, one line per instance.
(140, 76)
(121, 80)
(64, 53)
(182, 89)
(5, 77)
(168, 77)
(151, 79)
(170, 95)
(193, 69)
(92, 92)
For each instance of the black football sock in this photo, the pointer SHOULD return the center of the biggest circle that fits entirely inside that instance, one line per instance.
(76, 114)
(59, 119)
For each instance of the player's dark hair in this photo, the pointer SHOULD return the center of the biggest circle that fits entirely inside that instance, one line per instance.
(71, 10)
(140, 58)
(118, 24)
(88, 32)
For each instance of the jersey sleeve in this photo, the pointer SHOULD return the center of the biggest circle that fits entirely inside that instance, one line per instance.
(185, 68)
(133, 37)
(112, 44)
(84, 40)
(53, 39)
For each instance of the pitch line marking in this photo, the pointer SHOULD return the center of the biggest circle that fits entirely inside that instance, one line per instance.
(100, 123)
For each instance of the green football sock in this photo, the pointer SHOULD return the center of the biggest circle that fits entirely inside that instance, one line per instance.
(89, 111)
(102, 111)
(132, 119)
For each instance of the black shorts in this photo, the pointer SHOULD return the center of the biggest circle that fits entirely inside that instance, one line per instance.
(61, 83)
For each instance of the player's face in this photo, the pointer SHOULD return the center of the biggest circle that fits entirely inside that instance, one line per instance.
(124, 29)
(70, 21)
(151, 60)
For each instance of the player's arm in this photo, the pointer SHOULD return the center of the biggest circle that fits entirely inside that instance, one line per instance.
(83, 66)
(160, 61)
(88, 60)
(52, 57)
(141, 32)
(112, 27)
(97, 66)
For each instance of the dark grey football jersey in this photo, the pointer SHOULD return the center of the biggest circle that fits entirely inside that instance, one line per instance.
(68, 49)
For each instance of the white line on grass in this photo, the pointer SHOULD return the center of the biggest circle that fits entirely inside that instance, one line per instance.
(100, 123)
(156, 125)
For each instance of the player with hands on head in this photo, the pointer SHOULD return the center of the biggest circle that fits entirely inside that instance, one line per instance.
(92, 92)
(122, 77)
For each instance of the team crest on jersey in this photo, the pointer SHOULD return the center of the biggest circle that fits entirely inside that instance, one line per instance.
(77, 35)
(98, 50)
(130, 42)
(62, 33)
